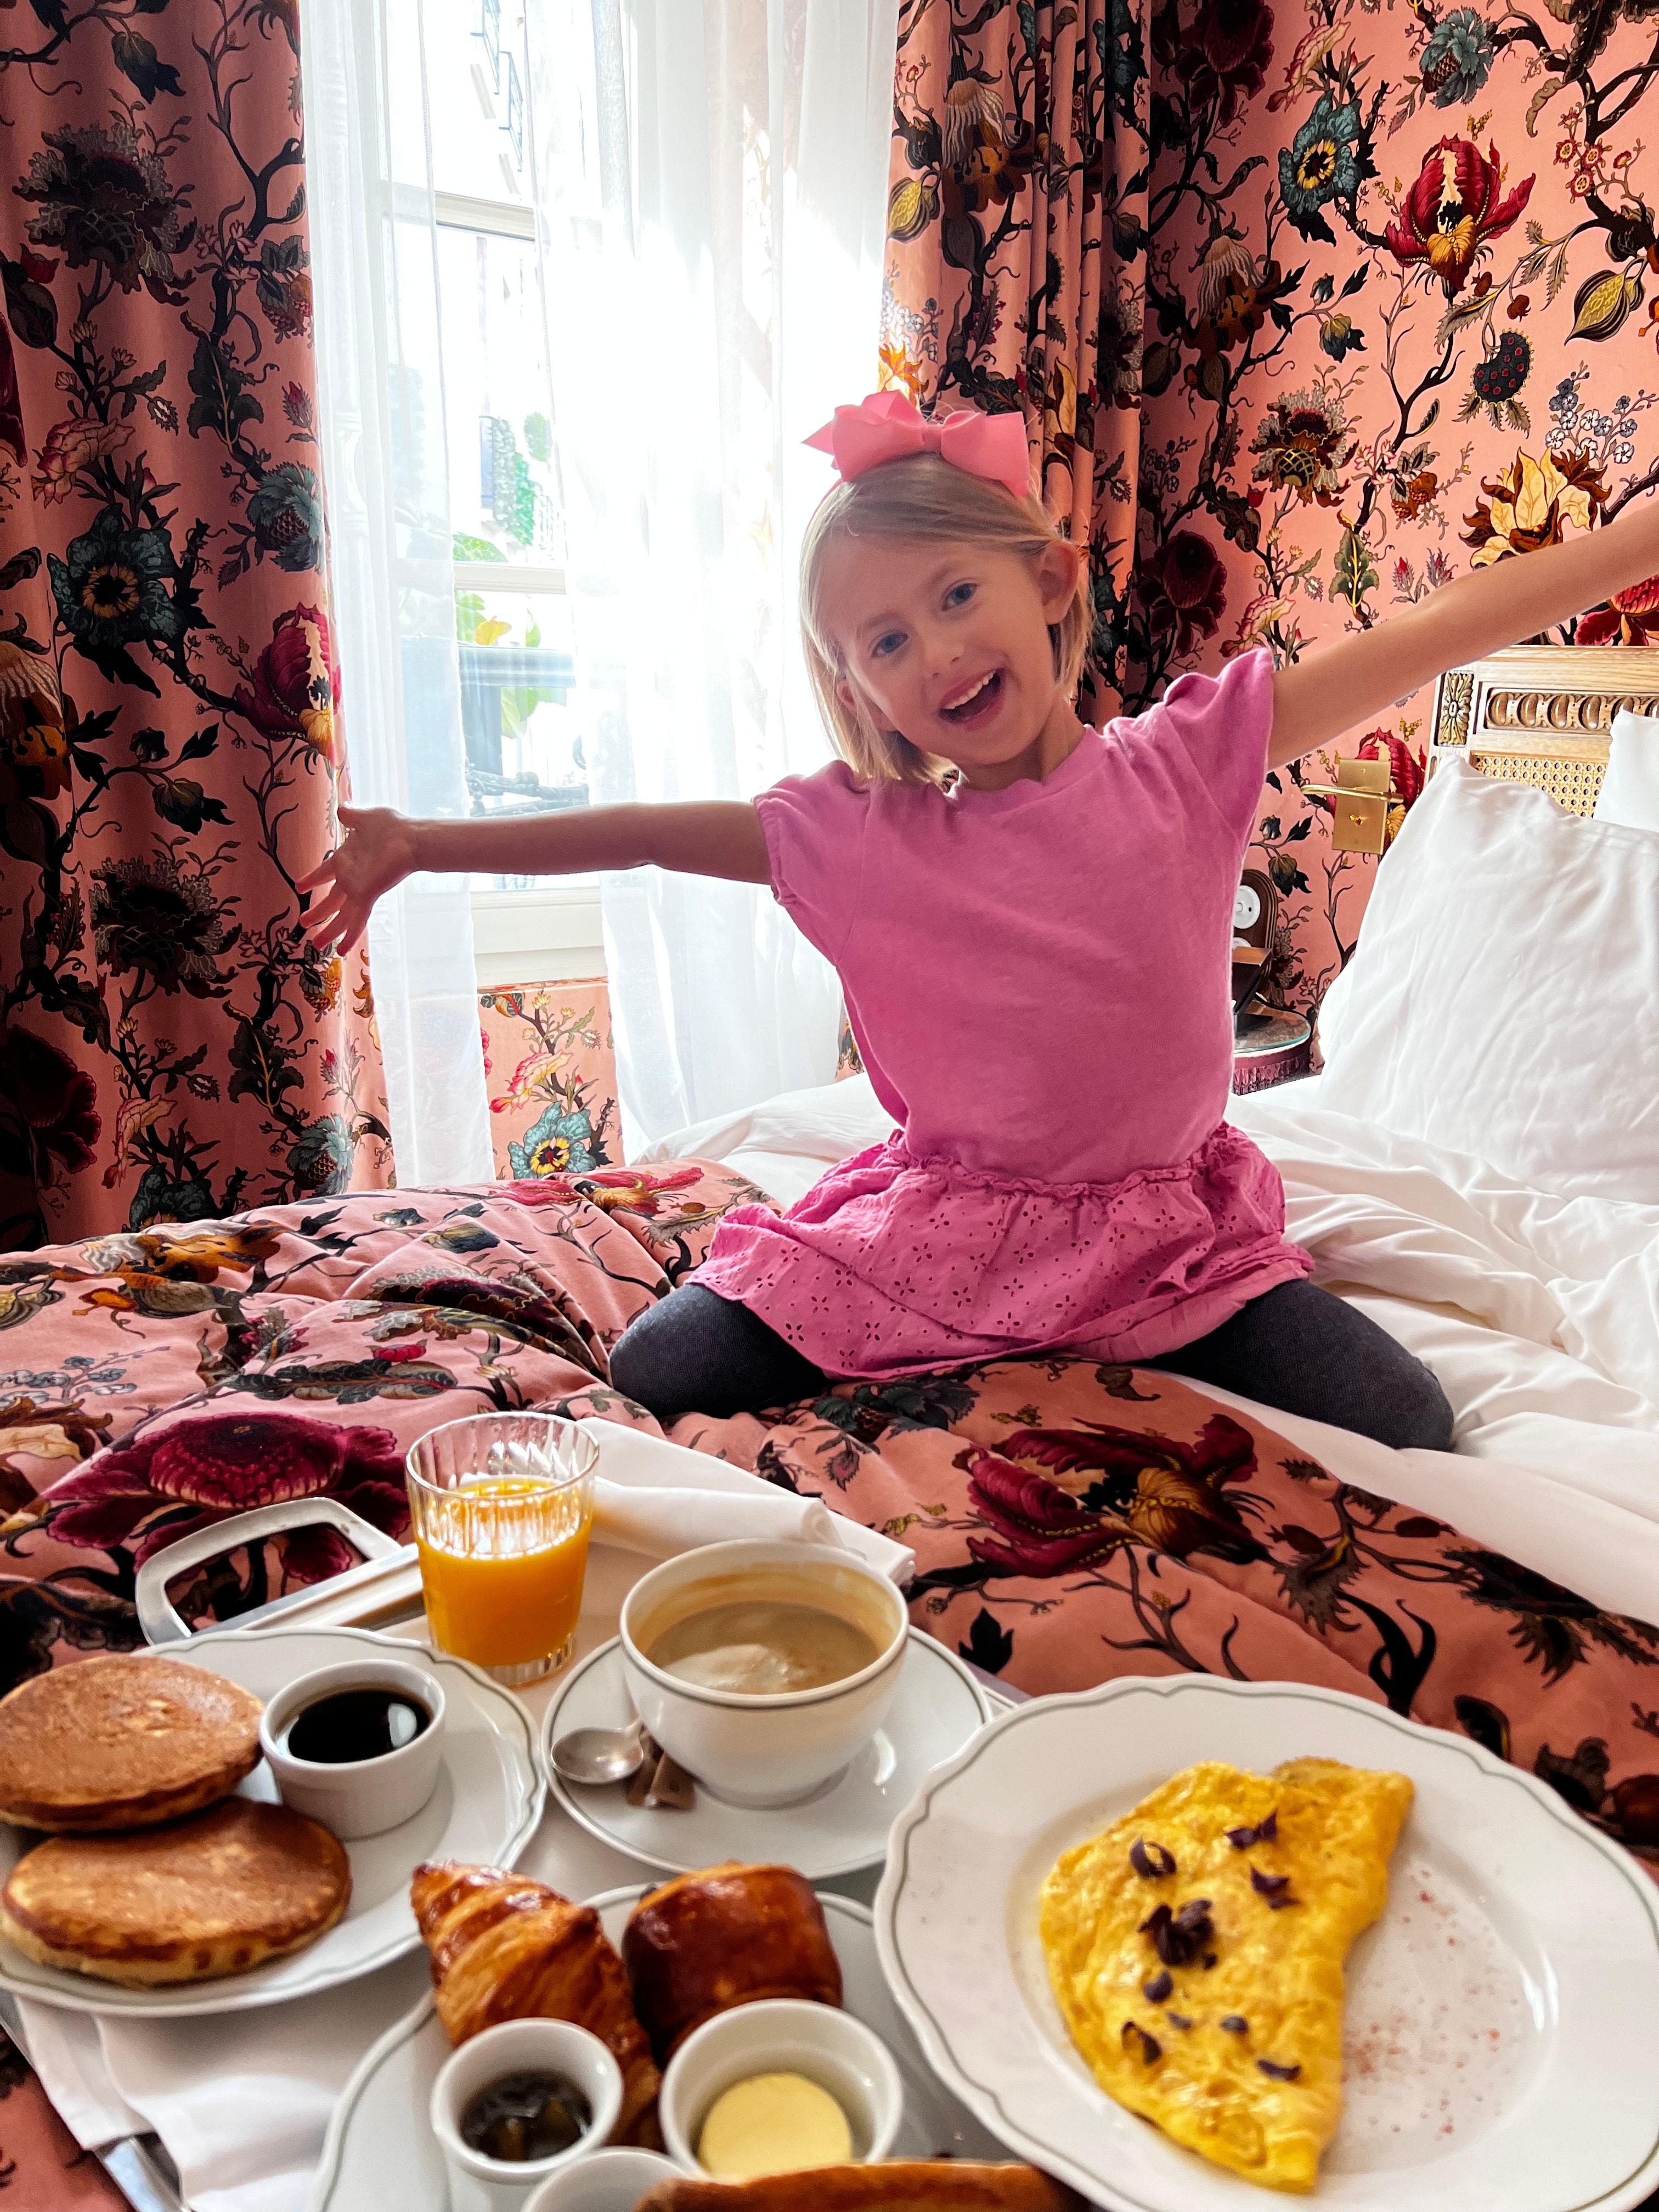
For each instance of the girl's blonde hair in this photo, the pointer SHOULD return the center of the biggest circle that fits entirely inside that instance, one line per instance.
(924, 500)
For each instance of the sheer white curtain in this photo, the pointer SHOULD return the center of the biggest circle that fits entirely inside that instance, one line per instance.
(709, 180)
(380, 379)
(711, 187)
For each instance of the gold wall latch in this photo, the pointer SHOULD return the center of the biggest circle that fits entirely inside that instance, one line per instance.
(1360, 800)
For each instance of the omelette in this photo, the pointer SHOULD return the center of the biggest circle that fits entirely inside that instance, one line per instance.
(1196, 1949)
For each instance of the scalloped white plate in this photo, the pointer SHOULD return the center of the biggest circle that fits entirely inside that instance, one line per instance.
(486, 1806)
(1502, 2016)
(380, 2155)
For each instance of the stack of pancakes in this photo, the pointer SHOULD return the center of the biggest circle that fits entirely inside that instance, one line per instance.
(154, 1872)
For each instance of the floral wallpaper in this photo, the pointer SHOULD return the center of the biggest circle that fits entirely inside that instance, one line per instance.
(550, 1072)
(170, 1048)
(1311, 305)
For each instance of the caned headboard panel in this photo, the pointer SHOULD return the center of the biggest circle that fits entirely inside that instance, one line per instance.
(1543, 715)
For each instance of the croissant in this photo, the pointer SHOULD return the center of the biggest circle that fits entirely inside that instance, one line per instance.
(906, 2186)
(506, 1948)
(728, 1935)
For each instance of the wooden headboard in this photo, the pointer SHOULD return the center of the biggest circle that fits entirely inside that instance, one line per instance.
(1543, 715)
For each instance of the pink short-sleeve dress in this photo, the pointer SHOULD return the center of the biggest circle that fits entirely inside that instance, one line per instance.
(1038, 981)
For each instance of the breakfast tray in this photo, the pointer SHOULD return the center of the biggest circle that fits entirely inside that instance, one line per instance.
(384, 1590)
(381, 1594)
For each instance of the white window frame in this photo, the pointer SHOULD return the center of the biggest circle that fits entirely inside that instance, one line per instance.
(548, 935)
(552, 934)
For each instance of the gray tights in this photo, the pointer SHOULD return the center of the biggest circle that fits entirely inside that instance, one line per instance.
(1295, 1347)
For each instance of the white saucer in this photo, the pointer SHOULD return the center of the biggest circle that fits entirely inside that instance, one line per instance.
(486, 1806)
(940, 1706)
(380, 2155)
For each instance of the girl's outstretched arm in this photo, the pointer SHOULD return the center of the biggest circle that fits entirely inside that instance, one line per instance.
(700, 837)
(1358, 679)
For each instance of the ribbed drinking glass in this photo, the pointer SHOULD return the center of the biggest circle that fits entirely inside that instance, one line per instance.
(501, 1506)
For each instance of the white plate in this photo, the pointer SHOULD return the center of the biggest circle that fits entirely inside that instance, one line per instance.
(1502, 2016)
(380, 2155)
(939, 1708)
(486, 1806)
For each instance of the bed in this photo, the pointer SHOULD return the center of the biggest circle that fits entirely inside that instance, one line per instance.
(1491, 1195)
(1540, 1309)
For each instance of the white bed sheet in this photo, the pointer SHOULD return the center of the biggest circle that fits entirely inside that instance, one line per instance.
(1539, 1313)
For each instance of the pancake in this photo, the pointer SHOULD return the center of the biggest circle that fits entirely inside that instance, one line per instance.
(122, 1742)
(212, 1894)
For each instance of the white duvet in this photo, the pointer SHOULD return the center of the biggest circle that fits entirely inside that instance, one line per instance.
(1540, 1313)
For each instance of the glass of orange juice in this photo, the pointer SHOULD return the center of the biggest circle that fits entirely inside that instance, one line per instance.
(501, 1506)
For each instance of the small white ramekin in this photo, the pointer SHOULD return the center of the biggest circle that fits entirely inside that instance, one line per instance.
(477, 2184)
(363, 1796)
(784, 2035)
(610, 2181)
(761, 1751)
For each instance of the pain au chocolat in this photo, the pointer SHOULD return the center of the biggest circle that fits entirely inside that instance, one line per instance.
(215, 1893)
(122, 1742)
(726, 1935)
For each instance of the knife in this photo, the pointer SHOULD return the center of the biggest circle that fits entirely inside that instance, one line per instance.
(137, 2164)
(141, 2169)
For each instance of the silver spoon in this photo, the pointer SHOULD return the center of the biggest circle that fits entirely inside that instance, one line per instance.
(595, 1756)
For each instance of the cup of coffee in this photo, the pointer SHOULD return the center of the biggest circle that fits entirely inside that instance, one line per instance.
(763, 1667)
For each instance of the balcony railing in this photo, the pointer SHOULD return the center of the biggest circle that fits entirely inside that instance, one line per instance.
(486, 670)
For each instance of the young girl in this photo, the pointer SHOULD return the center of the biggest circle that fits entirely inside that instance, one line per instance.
(1031, 921)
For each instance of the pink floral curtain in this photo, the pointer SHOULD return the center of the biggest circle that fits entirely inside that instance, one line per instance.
(550, 1061)
(170, 1049)
(1309, 310)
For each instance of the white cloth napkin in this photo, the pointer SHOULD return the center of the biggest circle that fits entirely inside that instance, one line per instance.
(241, 2100)
(654, 1497)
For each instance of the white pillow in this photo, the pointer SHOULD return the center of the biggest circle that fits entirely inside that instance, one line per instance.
(1630, 789)
(1503, 1000)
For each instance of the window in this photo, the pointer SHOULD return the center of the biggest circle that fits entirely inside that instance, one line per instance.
(524, 753)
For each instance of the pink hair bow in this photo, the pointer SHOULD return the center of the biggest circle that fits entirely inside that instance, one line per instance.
(887, 427)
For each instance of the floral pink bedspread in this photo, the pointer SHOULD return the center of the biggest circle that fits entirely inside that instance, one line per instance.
(157, 1379)
(1071, 1521)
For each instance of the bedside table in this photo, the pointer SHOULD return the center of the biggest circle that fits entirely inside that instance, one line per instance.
(1270, 1046)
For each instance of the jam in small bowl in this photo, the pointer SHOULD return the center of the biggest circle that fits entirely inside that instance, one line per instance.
(519, 2102)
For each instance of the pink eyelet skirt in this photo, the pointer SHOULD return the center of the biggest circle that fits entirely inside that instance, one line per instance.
(894, 1265)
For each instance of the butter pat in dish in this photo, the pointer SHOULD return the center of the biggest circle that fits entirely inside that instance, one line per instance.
(772, 2123)
(1195, 1949)
(837, 2060)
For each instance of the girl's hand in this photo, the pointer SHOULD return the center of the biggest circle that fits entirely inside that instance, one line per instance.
(376, 852)
(698, 837)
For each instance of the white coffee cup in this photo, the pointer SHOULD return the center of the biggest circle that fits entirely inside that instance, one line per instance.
(773, 1749)
(361, 1796)
(479, 2183)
